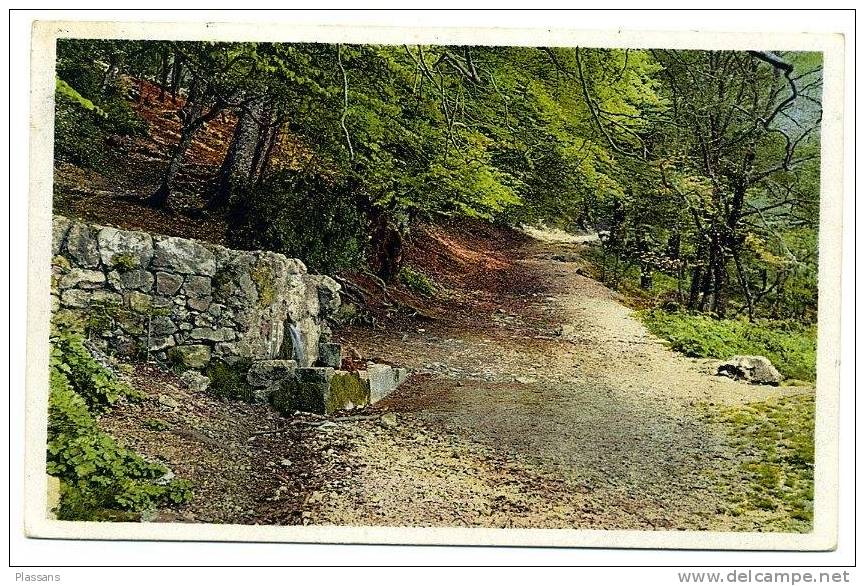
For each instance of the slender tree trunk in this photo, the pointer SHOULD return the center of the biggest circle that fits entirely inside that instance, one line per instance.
(176, 76)
(743, 282)
(163, 75)
(261, 145)
(159, 199)
(268, 154)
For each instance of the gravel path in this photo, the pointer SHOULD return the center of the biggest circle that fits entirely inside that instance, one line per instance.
(555, 409)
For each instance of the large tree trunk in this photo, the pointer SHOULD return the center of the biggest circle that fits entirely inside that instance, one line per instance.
(237, 165)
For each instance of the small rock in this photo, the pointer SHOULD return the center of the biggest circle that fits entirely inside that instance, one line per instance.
(195, 381)
(169, 402)
(389, 420)
(566, 331)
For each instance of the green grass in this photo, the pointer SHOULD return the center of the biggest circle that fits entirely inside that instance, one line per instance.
(773, 484)
(791, 347)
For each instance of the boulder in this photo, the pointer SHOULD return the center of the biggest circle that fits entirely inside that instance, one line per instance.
(125, 249)
(187, 257)
(756, 370)
(328, 295)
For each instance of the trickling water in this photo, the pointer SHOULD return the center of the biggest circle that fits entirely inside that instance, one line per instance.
(297, 345)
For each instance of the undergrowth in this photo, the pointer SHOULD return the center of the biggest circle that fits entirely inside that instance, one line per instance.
(790, 346)
(99, 479)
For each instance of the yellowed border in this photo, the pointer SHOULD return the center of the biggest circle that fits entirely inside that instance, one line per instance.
(824, 535)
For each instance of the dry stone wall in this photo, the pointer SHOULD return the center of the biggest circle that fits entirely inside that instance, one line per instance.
(181, 301)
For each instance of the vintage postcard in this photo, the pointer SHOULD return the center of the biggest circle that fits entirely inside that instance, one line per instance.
(434, 286)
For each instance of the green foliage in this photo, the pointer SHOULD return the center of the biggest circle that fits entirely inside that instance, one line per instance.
(99, 478)
(775, 443)
(228, 381)
(619, 140)
(418, 282)
(790, 346)
(126, 261)
(301, 216)
(97, 386)
(81, 127)
(78, 137)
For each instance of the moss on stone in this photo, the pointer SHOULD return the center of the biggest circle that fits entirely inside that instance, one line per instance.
(125, 261)
(296, 395)
(346, 388)
(263, 278)
(229, 380)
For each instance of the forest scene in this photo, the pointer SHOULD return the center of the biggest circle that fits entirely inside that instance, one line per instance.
(434, 286)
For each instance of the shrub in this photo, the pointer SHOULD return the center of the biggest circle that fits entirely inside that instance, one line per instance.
(418, 282)
(791, 347)
(302, 216)
(100, 480)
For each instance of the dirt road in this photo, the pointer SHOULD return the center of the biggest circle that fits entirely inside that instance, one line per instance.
(538, 400)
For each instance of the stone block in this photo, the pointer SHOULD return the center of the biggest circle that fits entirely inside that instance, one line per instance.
(137, 279)
(212, 334)
(83, 279)
(125, 249)
(81, 246)
(307, 391)
(330, 354)
(197, 286)
(79, 299)
(191, 355)
(168, 283)
(138, 302)
(187, 257)
(266, 376)
(59, 229)
(383, 380)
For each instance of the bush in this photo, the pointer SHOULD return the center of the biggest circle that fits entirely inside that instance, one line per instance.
(417, 281)
(100, 480)
(791, 347)
(301, 216)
